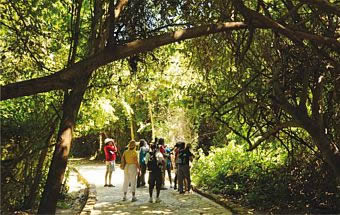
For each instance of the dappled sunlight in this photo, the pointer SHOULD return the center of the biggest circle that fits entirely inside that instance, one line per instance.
(106, 106)
(251, 86)
(178, 34)
(109, 199)
(102, 204)
(198, 211)
(73, 183)
(206, 208)
(126, 208)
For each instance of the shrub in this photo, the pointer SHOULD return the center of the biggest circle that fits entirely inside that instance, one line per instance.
(266, 180)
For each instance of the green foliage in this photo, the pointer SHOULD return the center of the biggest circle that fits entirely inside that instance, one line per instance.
(23, 140)
(216, 89)
(265, 180)
(233, 171)
(217, 168)
(64, 204)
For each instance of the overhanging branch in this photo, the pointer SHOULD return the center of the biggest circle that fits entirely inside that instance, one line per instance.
(324, 5)
(68, 78)
(273, 131)
(260, 21)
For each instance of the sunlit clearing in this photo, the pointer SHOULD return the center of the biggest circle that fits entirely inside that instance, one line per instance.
(105, 104)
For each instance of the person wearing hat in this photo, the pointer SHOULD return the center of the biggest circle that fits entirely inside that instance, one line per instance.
(110, 150)
(130, 170)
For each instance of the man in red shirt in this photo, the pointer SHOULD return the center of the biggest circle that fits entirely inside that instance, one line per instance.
(110, 150)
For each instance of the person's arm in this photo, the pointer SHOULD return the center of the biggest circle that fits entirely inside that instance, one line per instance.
(191, 156)
(162, 150)
(147, 157)
(136, 161)
(115, 149)
(164, 163)
(111, 149)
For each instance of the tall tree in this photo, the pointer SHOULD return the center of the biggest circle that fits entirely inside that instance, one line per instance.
(122, 29)
(271, 84)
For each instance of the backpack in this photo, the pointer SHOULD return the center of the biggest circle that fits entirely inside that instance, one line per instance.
(183, 157)
(152, 162)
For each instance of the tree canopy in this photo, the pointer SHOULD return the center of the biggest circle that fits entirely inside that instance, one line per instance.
(264, 70)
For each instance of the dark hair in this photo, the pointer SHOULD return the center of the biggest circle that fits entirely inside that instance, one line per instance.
(161, 141)
(142, 142)
(180, 144)
(153, 146)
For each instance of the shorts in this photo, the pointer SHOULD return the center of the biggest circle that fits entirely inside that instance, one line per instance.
(155, 178)
(110, 166)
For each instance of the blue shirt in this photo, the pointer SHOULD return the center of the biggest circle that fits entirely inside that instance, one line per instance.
(142, 153)
(168, 160)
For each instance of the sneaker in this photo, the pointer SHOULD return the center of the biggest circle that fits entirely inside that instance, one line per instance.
(158, 200)
(150, 200)
(175, 187)
(111, 185)
(133, 199)
(124, 198)
(106, 185)
(170, 186)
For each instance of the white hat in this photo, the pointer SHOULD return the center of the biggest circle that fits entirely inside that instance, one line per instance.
(107, 140)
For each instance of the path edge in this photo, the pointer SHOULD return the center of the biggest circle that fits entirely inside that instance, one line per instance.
(90, 194)
(234, 208)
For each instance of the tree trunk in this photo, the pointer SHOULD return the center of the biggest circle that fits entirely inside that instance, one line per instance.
(314, 127)
(332, 156)
(134, 128)
(328, 151)
(58, 165)
(152, 123)
(337, 194)
(99, 149)
(132, 133)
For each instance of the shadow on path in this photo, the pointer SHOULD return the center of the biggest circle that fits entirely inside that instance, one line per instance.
(109, 199)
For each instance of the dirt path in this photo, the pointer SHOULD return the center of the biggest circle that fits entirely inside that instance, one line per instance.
(109, 199)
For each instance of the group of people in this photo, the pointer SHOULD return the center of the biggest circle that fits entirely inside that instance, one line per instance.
(156, 158)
